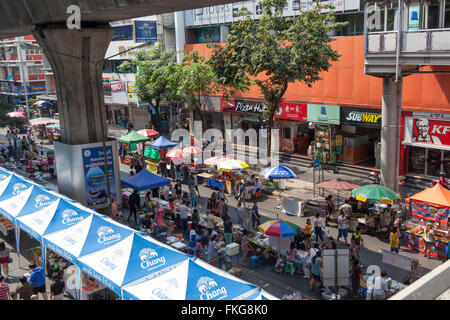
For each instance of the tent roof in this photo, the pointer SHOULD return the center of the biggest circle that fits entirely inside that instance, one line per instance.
(163, 143)
(436, 195)
(133, 136)
(145, 180)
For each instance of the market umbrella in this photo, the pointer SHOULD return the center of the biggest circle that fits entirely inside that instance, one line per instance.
(375, 193)
(148, 132)
(175, 153)
(133, 137)
(229, 165)
(43, 104)
(278, 172)
(279, 228)
(215, 161)
(42, 121)
(16, 114)
(53, 126)
(192, 150)
(337, 184)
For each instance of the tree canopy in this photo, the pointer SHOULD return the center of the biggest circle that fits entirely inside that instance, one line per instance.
(276, 51)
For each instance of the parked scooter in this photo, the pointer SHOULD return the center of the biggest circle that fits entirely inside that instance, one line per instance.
(442, 181)
(374, 177)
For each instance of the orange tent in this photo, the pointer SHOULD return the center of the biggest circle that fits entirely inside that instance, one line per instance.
(437, 195)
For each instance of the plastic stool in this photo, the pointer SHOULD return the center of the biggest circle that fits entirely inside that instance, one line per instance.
(289, 268)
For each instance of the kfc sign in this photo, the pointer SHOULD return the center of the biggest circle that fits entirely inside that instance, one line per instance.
(292, 111)
(431, 131)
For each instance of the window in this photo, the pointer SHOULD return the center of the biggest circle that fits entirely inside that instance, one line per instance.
(431, 20)
(447, 14)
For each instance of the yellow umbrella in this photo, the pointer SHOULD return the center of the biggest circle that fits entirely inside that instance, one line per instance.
(233, 165)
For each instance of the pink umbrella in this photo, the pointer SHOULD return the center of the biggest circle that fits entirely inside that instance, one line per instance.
(215, 161)
(177, 153)
(16, 114)
(192, 150)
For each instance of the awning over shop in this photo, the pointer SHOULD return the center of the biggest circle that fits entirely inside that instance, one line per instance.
(437, 195)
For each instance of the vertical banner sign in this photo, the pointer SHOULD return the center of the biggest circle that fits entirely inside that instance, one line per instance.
(144, 31)
(413, 17)
(95, 177)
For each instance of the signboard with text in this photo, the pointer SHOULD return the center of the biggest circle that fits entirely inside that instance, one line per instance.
(95, 177)
(323, 113)
(366, 116)
(144, 31)
(433, 131)
(292, 111)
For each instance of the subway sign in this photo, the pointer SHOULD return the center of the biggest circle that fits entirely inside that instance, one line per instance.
(364, 116)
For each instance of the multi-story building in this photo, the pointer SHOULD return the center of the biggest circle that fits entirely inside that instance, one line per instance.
(22, 73)
(344, 108)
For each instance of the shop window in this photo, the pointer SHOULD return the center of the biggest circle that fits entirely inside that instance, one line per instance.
(392, 16)
(447, 14)
(287, 133)
(446, 163)
(416, 160)
(434, 162)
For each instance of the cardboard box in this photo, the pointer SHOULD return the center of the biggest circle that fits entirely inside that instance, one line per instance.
(232, 249)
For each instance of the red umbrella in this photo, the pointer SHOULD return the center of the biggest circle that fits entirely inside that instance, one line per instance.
(172, 154)
(337, 184)
(215, 161)
(192, 150)
(17, 114)
(148, 132)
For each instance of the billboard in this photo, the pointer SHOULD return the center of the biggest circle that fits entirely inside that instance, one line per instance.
(292, 111)
(95, 177)
(433, 131)
(144, 31)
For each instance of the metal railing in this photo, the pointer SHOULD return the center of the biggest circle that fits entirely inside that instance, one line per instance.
(412, 41)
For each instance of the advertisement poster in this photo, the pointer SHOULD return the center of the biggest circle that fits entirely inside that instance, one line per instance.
(95, 177)
(413, 17)
(323, 113)
(434, 131)
(144, 31)
(119, 93)
(123, 33)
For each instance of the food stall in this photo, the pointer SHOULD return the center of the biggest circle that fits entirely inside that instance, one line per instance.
(6, 226)
(429, 206)
(130, 152)
(367, 282)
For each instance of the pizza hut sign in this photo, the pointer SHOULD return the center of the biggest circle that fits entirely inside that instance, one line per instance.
(249, 106)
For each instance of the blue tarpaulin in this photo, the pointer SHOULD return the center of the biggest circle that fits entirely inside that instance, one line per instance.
(145, 180)
(163, 143)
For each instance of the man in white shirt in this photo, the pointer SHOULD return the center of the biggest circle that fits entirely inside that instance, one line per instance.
(242, 216)
(184, 211)
(346, 208)
(380, 286)
(342, 227)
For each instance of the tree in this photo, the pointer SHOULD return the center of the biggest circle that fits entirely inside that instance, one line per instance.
(158, 77)
(6, 121)
(276, 51)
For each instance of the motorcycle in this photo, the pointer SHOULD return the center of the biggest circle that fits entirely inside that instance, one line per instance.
(374, 177)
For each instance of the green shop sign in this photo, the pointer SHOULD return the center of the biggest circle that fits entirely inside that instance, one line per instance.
(323, 113)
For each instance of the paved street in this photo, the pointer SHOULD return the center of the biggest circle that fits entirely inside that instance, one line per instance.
(264, 276)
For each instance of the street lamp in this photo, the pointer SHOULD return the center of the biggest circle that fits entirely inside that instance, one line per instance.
(95, 63)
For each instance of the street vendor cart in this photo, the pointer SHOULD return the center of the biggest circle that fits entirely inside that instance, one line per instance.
(429, 206)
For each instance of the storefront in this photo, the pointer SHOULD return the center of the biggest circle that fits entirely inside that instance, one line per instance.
(295, 135)
(426, 143)
(361, 131)
(327, 144)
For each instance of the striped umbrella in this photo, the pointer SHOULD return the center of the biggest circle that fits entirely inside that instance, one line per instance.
(148, 132)
(278, 172)
(16, 114)
(229, 165)
(42, 121)
(175, 153)
(279, 228)
(215, 161)
(192, 150)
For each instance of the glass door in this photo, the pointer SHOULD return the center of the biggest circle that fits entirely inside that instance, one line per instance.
(416, 160)
(434, 161)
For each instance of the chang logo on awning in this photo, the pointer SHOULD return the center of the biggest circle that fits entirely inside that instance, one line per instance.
(70, 217)
(3, 176)
(42, 200)
(106, 235)
(209, 289)
(165, 293)
(149, 259)
(110, 265)
(18, 188)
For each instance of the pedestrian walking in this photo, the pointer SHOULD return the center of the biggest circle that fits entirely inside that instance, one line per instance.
(394, 240)
(57, 288)
(224, 207)
(308, 232)
(4, 259)
(184, 211)
(316, 271)
(242, 216)
(428, 238)
(227, 229)
(9, 136)
(357, 239)
(133, 205)
(25, 289)
(163, 167)
(244, 245)
(380, 287)
(356, 277)
(318, 227)
(37, 277)
(329, 209)
(5, 294)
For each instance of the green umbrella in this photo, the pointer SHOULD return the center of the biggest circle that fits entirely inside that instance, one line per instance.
(375, 193)
(133, 136)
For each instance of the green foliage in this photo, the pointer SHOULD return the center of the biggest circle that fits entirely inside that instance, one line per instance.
(276, 51)
(6, 121)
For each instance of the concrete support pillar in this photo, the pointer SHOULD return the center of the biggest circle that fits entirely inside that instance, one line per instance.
(78, 82)
(224, 30)
(180, 35)
(390, 132)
